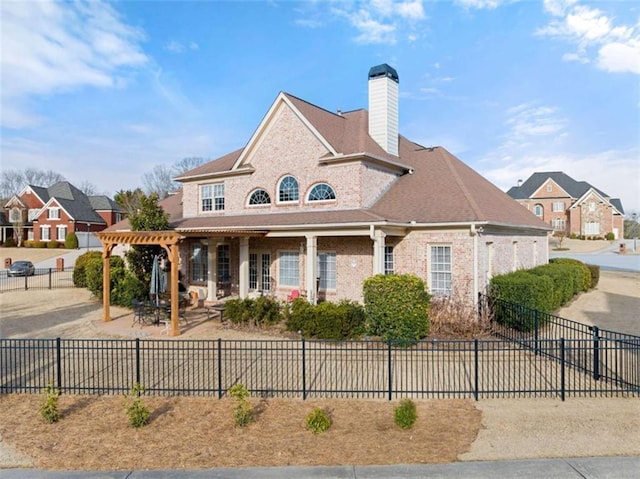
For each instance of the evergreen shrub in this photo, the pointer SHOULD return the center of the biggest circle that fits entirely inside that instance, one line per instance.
(71, 240)
(396, 307)
(327, 320)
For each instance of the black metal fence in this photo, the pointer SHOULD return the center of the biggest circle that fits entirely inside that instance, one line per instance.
(43, 278)
(311, 369)
(610, 356)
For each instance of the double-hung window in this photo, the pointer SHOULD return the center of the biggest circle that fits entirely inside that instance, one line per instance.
(440, 270)
(212, 197)
(53, 213)
(45, 233)
(61, 232)
(558, 206)
(327, 270)
(289, 268)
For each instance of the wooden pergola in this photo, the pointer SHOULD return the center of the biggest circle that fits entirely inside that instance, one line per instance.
(169, 240)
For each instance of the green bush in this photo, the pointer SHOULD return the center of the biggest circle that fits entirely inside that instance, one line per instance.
(594, 272)
(525, 289)
(562, 283)
(49, 404)
(405, 414)
(318, 420)
(79, 273)
(243, 412)
(53, 244)
(94, 275)
(255, 312)
(10, 242)
(71, 240)
(610, 236)
(39, 244)
(127, 287)
(332, 321)
(137, 412)
(396, 307)
(579, 269)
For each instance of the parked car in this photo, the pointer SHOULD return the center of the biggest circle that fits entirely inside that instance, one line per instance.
(21, 268)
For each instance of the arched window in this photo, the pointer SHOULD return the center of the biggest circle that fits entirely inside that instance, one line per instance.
(288, 189)
(322, 192)
(259, 197)
(538, 210)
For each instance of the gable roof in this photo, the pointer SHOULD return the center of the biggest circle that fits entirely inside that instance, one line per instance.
(435, 186)
(574, 188)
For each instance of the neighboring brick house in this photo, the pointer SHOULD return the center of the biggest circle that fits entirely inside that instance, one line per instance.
(318, 201)
(574, 207)
(48, 214)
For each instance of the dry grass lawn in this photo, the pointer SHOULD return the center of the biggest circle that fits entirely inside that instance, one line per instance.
(200, 433)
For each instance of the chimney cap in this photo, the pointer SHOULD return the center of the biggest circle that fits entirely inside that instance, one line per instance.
(384, 70)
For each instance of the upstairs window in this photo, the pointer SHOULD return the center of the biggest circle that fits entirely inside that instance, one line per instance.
(322, 192)
(538, 210)
(558, 206)
(53, 213)
(212, 197)
(288, 190)
(259, 197)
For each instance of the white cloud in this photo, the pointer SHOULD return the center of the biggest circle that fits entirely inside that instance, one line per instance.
(527, 120)
(480, 4)
(51, 47)
(178, 47)
(612, 48)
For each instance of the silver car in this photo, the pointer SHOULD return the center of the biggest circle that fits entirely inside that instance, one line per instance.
(21, 268)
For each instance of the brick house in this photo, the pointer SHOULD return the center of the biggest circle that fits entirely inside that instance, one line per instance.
(318, 201)
(48, 214)
(575, 207)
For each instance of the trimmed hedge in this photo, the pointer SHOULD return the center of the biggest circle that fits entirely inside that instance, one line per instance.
(594, 272)
(396, 306)
(581, 272)
(71, 240)
(334, 321)
(79, 270)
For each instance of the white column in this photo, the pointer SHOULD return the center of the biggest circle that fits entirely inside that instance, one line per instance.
(243, 286)
(212, 270)
(312, 269)
(378, 252)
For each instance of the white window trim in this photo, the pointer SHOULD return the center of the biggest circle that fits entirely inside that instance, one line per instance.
(335, 255)
(52, 209)
(60, 228)
(558, 206)
(48, 229)
(309, 200)
(289, 202)
(280, 283)
(213, 197)
(430, 269)
(261, 205)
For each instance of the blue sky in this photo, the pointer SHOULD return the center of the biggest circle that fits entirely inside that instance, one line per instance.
(105, 91)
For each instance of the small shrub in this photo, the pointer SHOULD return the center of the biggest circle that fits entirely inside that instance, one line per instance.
(49, 404)
(71, 240)
(610, 236)
(10, 242)
(39, 244)
(243, 412)
(318, 420)
(137, 412)
(255, 312)
(79, 270)
(594, 271)
(53, 244)
(406, 414)
(334, 321)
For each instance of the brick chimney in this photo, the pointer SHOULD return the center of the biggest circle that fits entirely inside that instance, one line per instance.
(383, 107)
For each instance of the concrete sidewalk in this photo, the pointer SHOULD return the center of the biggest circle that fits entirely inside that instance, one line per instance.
(583, 468)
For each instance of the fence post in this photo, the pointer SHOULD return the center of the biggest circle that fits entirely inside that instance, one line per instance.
(390, 368)
(304, 371)
(596, 353)
(562, 369)
(49, 278)
(536, 333)
(137, 360)
(476, 362)
(25, 282)
(219, 368)
(59, 364)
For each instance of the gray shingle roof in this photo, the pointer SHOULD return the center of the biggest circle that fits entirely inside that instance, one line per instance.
(574, 188)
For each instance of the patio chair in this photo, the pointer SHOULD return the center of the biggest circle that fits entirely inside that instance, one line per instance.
(293, 295)
(142, 313)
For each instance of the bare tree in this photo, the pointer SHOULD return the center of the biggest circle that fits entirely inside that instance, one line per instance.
(186, 164)
(12, 181)
(88, 188)
(160, 180)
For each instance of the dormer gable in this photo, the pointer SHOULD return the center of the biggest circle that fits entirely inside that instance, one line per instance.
(550, 189)
(283, 100)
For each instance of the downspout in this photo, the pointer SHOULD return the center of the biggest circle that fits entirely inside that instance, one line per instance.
(474, 234)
